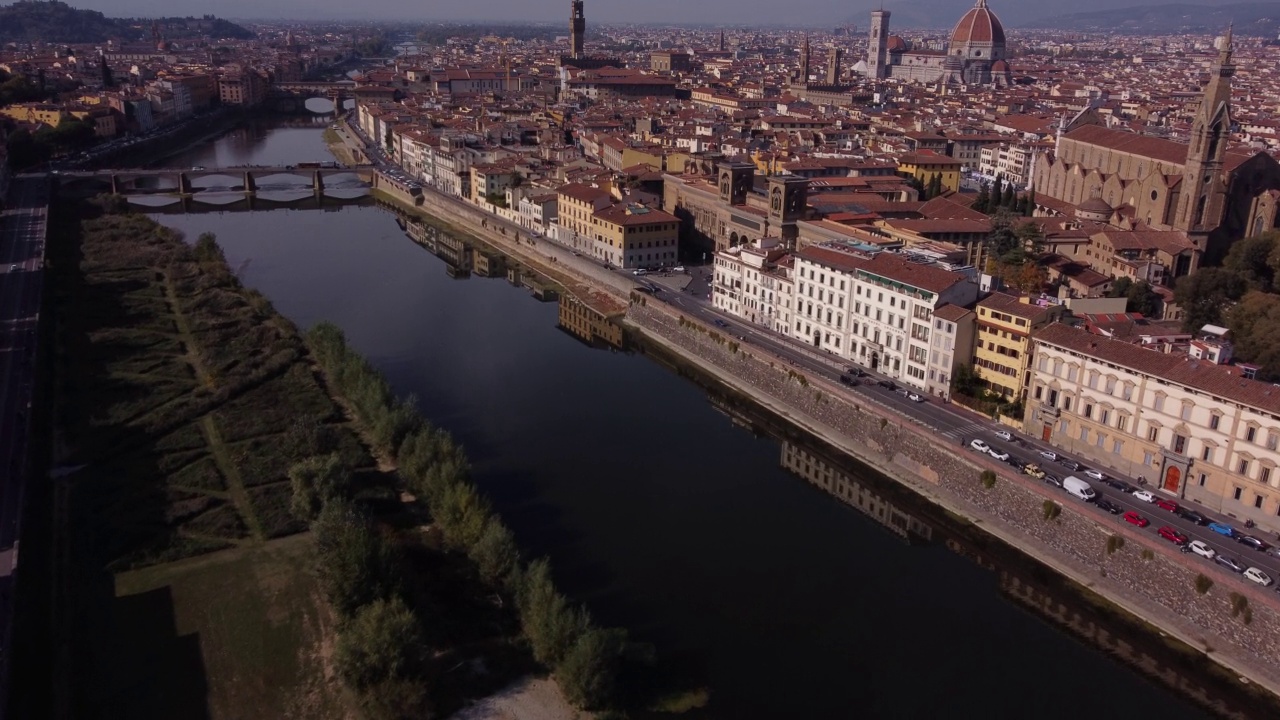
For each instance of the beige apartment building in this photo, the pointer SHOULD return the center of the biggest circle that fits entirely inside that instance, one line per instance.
(1192, 428)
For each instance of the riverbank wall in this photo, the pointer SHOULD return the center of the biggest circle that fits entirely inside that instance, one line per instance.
(1149, 581)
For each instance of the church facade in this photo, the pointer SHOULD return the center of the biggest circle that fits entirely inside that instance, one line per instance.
(1213, 194)
(975, 55)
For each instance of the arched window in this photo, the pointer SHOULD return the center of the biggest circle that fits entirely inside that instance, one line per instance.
(1257, 225)
(1199, 219)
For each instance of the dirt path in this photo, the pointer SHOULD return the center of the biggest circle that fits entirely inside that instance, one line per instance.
(235, 483)
(527, 699)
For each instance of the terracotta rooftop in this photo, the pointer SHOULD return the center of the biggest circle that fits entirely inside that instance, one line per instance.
(925, 277)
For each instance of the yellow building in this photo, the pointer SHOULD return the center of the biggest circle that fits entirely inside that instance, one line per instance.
(35, 112)
(923, 165)
(635, 236)
(1003, 346)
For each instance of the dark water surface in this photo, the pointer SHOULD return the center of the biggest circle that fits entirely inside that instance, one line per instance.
(658, 511)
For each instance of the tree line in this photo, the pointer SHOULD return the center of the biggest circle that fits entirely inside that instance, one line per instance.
(1004, 197)
(1242, 295)
(380, 650)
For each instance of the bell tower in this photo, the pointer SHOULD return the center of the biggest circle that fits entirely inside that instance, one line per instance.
(877, 60)
(577, 30)
(788, 201)
(735, 181)
(1202, 199)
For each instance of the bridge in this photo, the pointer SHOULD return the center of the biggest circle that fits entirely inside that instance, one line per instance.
(187, 182)
(337, 92)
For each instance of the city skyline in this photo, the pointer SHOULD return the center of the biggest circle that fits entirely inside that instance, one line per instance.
(713, 12)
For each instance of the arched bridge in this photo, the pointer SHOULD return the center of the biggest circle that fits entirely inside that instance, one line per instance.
(184, 182)
(338, 92)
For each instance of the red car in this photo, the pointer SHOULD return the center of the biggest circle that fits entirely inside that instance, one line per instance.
(1173, 536)
(1169, 505)
(1134, 518)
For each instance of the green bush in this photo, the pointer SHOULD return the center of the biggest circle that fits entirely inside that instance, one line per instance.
(383, 641)
(1114, 543)
(589, 673)
(550, 623)
(495, 553)
(1051, 510)
(988, 478)
(1239, 603)
(1203, 584)
(1147, 554)
(317, 481)
(356, 564)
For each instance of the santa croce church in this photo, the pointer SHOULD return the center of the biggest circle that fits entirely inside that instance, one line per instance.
(1212, 193)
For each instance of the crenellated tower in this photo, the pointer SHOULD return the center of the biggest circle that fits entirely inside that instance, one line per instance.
(1202, 198)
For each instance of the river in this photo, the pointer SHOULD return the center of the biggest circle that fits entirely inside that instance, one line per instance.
(659, 512)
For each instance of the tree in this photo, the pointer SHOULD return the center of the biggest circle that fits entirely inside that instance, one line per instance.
(1030, 207)
(73, 134)
(24, 151)
(1205, 294)
(382, 642)
(589, 672)
(965, 381)
(983, 202)
(550, 623)
(1142, 299)
(355, 563)
(317, 481)
(1254, 260)
(495, 553)
(207, 249)
(1009, 195)
(1255, 328)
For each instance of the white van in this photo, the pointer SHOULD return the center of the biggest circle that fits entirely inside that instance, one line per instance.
(1079, 488)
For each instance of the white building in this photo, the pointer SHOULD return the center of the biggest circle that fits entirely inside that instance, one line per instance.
(754, 283)
(893, 307)
(1014, 162)
(824, 290)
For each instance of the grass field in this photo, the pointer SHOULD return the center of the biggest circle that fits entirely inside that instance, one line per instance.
(184, 398)
(253, 619)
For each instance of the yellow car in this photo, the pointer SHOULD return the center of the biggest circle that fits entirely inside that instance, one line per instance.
(1034, 471)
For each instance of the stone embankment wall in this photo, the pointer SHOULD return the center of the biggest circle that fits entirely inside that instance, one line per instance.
(1147, 577)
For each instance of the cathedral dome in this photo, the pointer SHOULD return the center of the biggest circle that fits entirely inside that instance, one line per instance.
(999, 66)
(896, 44)
(979, 25)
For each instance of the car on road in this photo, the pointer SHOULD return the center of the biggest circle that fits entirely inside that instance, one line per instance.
(1034, 471)
(848, 380)
(1229, 563)
(915, 397)
(1189, 514)
(1096, 474)
(1071, 465)
(1120, 485)
(1166, 504)
(720, 323)
(1134, 518)
(1004, 435)
(1258, 576)
(1144, 495)
(1049, 455)
(1199, 547)
(888, 384)
(1108, 506)
(998, 454)
(678, 268)
(979, 445)
(1053, 480)
(1169, 533)
(13, 266)
(1222, 529)
(1253, 542)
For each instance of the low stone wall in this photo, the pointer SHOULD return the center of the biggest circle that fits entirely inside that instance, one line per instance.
(1147, 577)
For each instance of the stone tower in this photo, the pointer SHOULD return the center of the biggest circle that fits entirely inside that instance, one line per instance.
(804, 62)
(577, 30)
(1203, 194)
(788, 201)
(877, 51)
(833, 66)
(736, 179)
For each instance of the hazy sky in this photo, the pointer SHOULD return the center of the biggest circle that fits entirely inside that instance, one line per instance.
(825, 13)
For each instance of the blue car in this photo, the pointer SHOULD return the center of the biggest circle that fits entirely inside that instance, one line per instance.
(1223, 529)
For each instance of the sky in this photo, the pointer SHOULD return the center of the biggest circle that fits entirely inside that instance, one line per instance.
(817, 13)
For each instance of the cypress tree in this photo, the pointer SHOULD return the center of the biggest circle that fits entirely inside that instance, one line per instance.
(984, 198)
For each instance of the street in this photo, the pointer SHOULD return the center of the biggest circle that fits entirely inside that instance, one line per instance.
(22, 233)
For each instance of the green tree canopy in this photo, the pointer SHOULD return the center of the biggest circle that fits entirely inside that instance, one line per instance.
(1206, 294)
(1254, 260)
(382, 642)
(1255, 329)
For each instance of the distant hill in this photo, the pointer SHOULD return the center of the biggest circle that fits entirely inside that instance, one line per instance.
(58, 22)
(1250, 18)
(943, 14)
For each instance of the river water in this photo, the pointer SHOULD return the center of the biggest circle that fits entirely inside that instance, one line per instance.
(659, 511)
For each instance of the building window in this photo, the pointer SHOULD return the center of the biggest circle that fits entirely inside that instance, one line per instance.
(1104, 417)
(1084, 434)
(1207, 454)
(1146, 458)
(1271, 440)
(1122, 423)
(1264, 475)
(1186, 411)
(1251, 433)
(1257, 501)
(1214, 419)
(1088, 411)
(1153, 433)
(1235, 495)
(1179, 444)
(1158, 403)
(1243, 468)
(1202, 479)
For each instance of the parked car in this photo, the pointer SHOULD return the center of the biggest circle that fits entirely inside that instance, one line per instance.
(1134, 518)
(1229, 563)
(1199, 547)
(1144, 496)
(1004, 435)
(1048, 455)
(1120, 485)
(915, 397)
(848, 380)
(888, 384)
(639, 271)
(720, 323)
(1258, 576)
(1166, 504)
(1096, 474)
(1053, 480)
(1169, 533)
(1079, 488)
(1034, 471)
(678, 268)
(1253, 542)
(998, 454)
(1108, 506)
(1071, 465)
(1192, 515)
(979, 445)
(1222, 529)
